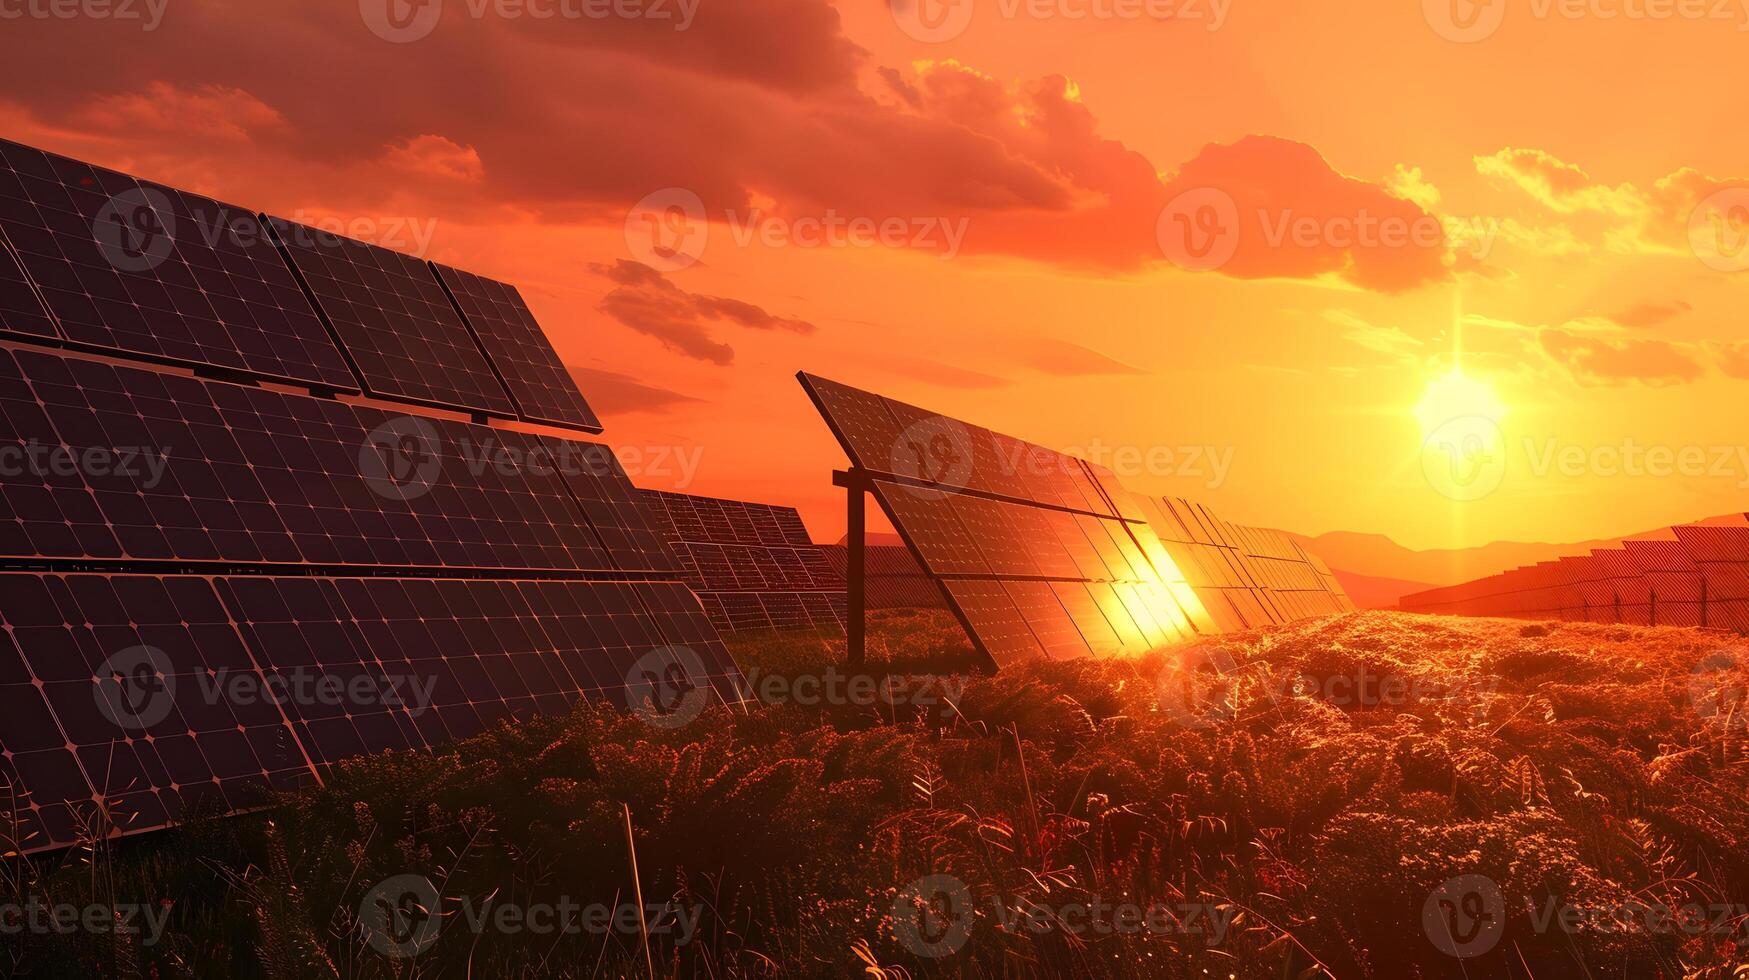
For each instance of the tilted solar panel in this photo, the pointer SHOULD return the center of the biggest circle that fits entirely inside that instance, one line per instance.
(397, 324)
(1000, 523)
(129, 701)
(544, 391)
(21, 309)
(210, 471)
(744, 561)
(129, 265)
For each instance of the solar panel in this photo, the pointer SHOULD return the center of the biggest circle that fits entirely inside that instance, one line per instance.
(544, 391)
(129, 265)
(1000, 522)
(398, 325)
(21, 309)
(772, 583)
(130, 700)
(221, 472)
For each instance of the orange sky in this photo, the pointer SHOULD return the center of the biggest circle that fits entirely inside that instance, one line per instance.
(1034, 172)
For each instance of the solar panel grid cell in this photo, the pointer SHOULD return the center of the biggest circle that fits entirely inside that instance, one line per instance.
(21, 309)
(537, 380)
(397, 323)
(153, 271)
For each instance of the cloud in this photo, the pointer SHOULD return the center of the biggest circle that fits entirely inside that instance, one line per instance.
(1601, 361)
(611, 393)
(1393, 342)
(1732, 358)
(1649, 314)
(429, 155)
(205, 113)
(648, 303)
(937, 373)
(1630, 219)
(1064, 359)
(1299, 218)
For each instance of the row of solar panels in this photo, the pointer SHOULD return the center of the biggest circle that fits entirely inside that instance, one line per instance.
(891, 577)
(99, 260)
(753, 566)
(1691, 575)
(214, 588)
(1245, 576)
(131, 700)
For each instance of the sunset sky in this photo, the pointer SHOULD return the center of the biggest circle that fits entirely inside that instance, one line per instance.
(1528, 217)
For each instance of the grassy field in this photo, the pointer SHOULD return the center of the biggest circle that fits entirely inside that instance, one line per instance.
(1371, 796)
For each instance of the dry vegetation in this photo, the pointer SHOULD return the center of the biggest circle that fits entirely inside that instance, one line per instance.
(1313, 808)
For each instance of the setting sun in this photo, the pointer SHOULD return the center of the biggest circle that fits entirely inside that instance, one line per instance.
(1456, 395)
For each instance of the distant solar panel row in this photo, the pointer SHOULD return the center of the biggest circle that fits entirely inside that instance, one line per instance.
(1690, 575)
(103, 261)
(1040, 554)
(892, 578)
(1246, 577)
(211, 471)
(133, 699)
(753, 565)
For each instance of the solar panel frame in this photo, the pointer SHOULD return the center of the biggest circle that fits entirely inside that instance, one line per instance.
(405, 339)
(521, 354)
(187, 279)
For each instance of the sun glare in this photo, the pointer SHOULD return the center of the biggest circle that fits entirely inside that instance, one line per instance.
(1456, 395)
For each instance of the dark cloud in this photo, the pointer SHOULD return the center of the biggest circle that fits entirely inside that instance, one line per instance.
(684, 322)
